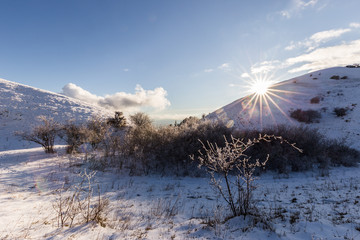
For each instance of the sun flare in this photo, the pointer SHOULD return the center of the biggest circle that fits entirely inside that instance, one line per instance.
(260, 87)
(265, 95)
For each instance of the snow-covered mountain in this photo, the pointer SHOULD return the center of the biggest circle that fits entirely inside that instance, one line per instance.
(337, 87)
(20, 105)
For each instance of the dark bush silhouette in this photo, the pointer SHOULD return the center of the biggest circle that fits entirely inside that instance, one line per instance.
(307, 116)
(340, 112)
(317, 151)
(96, 131)
(166, 149)
(315, 100)
(336, 77)
(44, 134)
(75, 135)
(140, 120)
(118, 121)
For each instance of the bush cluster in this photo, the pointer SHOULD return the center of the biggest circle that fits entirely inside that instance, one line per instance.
(317, 151)
(306, 116)
(315, 100)
(167, 148)
(340, 112)
(143, 148)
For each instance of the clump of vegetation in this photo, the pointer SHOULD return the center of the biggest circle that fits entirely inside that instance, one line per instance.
(306, 116)
(317, 151)
(143, 148)
(336, 77)
(315, 100)
(43, 134)
(340, 112)
(166, 149)
(353, 66)
(97, 130)
(223, 161)
(76, 205)
(344, 77)
(75, 135)
(118, 121)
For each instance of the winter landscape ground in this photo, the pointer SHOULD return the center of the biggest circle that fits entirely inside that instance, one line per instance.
(41, 194)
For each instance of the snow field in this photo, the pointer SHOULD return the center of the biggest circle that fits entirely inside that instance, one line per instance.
(310, 205)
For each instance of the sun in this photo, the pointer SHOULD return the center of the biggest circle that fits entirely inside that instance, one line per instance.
(265, 95)
(260, 87)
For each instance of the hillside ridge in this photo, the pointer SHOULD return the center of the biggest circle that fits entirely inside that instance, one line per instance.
(337, 87)
(21, 105)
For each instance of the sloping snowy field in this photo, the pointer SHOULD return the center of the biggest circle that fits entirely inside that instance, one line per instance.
(299, 206)
(20, 105)
(295, 94)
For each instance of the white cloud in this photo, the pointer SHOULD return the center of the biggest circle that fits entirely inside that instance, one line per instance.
(208, 70)
(225, 67)
(328, 35)
(264, 67)
(296, 7)
(318, 38)
(122, 101)
(354, 25)
(343, 54)
(126, 69)
(291, 46)
(285, 13)
(306, 4)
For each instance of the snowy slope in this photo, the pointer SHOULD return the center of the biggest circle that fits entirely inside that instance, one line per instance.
(300, 206)
(20, 105)
(296, 94)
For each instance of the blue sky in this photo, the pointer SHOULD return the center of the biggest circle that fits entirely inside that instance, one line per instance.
(174, 58)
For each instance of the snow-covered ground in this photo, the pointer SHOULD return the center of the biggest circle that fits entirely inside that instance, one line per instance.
(299, 206)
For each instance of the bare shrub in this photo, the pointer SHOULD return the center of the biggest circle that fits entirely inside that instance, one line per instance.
(166, 208)
(340, 112)
(75, 135)
(336, 77)
(96, 131)
(232, 158)
(307, 116)
(44, 134)
(140, 119)
(76, 203)
(66, 206)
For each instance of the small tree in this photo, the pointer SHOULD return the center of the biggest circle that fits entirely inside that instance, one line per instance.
(141, 119)
(44, 134)
(96, 131)
(75, 136)
(118, 121)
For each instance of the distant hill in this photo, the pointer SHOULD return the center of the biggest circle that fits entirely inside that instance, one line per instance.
(20, 105)
(321, 91)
